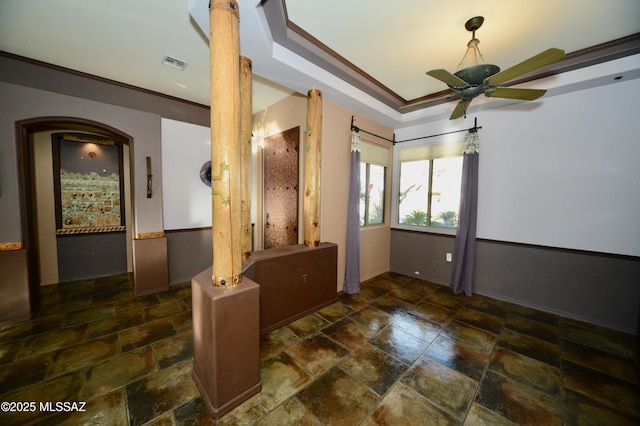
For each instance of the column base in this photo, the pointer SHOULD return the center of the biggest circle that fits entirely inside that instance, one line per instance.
(150, 265)
(226, 346)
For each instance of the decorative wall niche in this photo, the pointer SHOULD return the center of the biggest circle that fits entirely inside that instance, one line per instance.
(88, 184)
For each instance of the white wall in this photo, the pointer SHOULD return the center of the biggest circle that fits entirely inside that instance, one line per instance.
(561, 172)
(186, 199)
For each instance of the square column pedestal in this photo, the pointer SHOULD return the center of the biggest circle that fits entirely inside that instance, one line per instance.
(226, 342)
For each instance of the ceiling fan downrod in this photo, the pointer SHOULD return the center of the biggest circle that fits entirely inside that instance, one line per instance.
(472, 46)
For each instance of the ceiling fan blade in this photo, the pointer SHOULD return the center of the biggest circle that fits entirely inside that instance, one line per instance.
(447, 78)
(426, 102)
(460, 110)
(547, 57)
(515, 93)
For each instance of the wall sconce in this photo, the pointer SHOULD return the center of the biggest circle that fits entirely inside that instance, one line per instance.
(92, 154)
(149, 179)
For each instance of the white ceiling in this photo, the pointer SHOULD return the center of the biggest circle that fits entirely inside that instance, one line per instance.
(397, 42)
(392, 42)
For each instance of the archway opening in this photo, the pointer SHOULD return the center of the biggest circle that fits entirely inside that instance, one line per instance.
(40, 207)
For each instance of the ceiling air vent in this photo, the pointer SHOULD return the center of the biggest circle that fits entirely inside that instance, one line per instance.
(172, 62)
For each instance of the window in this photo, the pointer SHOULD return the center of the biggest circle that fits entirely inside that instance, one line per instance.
(371, 194)
(429, 188)
(374, 160)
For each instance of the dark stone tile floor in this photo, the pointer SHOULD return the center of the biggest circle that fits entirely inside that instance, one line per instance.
(402, 352)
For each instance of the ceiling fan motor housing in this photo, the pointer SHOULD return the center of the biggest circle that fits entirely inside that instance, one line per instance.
(476, 74)
(475, 77)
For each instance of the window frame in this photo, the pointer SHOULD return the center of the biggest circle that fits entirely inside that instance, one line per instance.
(378, 154)
(432, 151)
(366, 199)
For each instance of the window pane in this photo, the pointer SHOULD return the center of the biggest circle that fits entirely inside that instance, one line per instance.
(414, 193)
(445, 192)
(375, 214)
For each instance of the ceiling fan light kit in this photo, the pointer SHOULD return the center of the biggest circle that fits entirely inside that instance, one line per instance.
(480, 78)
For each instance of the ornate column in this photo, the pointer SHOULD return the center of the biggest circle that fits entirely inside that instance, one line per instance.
(246, 119)
(311, 206)
(226, 315)
(225, 137)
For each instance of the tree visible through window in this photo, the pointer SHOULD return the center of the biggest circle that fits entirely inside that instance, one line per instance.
(372, 180)
(429, 193)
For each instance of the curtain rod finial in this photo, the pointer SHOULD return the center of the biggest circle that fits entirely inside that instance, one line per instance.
(353, 127)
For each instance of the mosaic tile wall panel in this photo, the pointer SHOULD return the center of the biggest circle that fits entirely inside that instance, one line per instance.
(90, 202)
(281, 160)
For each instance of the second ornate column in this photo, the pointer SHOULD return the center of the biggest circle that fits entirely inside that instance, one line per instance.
(226, 175)
(312, 156)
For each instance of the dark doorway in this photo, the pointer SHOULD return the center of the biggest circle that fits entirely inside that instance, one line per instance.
(281, 165)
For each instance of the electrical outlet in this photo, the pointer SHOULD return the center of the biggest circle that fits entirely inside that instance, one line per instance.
(448, 257)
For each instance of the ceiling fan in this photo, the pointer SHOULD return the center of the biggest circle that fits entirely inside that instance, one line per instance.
(474, 80)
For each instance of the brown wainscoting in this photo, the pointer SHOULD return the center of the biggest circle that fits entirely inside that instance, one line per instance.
(421, 254)
(190, 252)
(19, 299)
(599, 288)
(151, 267)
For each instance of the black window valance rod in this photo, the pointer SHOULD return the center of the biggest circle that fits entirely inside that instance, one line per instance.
(358, 130)
(473, 129)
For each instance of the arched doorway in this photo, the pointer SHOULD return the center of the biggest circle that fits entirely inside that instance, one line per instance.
(33, 135)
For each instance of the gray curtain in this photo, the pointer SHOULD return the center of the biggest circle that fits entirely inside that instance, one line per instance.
(352, 267)
(464, 254)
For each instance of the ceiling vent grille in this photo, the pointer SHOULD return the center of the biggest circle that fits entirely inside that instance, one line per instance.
(172, 62)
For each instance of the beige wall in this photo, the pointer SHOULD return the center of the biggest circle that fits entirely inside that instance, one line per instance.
(336, 136)
(284, 115)
(45, 207)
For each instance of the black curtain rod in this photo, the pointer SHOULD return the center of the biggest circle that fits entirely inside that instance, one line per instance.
(473, 129)
(358, 130)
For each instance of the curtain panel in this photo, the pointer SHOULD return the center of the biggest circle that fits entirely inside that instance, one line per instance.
(352, 263)
(464, 254)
